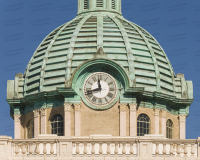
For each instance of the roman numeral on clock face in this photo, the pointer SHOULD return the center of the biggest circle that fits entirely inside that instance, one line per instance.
(89, 83)
(110, 95)
(90, 96)
(111, 89)
(94, 79)
(94, 99)
(110, 83)
(99, 100)
(100, 77)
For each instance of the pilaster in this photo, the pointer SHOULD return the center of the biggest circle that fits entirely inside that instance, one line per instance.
(17, 126)
(182, 122)
(123, 119)
(43, 120)
(133, 119)
(77, 112)
(156, 120)
(163, 121)
(67, 118)
(36, 123)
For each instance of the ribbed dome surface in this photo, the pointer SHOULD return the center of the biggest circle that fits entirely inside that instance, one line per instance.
(75, 42)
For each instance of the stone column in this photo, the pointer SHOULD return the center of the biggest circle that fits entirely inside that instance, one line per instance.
(67, 119)
(17, 126)
(163, 121)
(133, 120)
(182, 122)
(77, 127)
(36, 123)
(156, 120)
(43, 120)
(122, 120)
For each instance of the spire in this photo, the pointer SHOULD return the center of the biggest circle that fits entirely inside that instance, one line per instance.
(99, 5)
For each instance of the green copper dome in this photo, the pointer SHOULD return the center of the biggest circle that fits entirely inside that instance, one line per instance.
(77, 41)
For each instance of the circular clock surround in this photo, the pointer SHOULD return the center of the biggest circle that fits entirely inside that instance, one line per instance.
(100, 90)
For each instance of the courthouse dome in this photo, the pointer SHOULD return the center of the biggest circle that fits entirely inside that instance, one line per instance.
(75, 42)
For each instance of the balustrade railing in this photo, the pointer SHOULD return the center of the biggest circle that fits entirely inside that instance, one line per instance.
(73, 147)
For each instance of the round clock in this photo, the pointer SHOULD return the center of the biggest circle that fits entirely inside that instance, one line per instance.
(100, 89)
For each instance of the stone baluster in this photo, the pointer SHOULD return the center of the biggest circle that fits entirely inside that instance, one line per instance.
(52, 150)
(85, 149)
(30, 149)
(178, 150)
(44, 148)
(23, 149)
(124, 149)
(77, 148)
(192, 150)
(131, 149)
(185, 149)
(37, 148)
(16, 149)
(108, 148)
(100, 148)
(157, 149)
(93, 149)
(116, 148)
(171, 150)
(164, 149)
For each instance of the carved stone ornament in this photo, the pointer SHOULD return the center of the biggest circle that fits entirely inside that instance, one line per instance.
(36, 113)
(17, 117)
(123, 107)
(43, 111)
(156, 112)
(77, 107)
(67, 107)
(182, 118)
(133, 107)
(163, 113)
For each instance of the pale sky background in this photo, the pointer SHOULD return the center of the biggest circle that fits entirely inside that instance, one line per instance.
(174, 23)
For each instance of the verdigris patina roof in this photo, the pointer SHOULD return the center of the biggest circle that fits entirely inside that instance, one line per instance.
(77, 41)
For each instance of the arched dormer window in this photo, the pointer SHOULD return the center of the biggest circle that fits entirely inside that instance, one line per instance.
(113, 4)
(57, 125)
(99, 3)
(143, 125)
(169, 129)
(85, 4)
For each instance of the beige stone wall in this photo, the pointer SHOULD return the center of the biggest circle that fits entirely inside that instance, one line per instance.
(100, 122)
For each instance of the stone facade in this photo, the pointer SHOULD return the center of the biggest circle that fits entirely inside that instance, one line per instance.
(102, 122)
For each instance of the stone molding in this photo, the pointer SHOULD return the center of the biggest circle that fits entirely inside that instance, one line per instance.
(77, 107)
(17, 117)
(67, 107)
(163, 113)
(122, 107)
(133, 107)
(36, 113)
(182, 118)
(43, 112)
(156, 112)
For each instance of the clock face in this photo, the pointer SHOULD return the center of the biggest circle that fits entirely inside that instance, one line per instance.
(100, 89)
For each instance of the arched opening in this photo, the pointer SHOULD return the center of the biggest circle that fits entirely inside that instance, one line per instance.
(169, 129)
(143, 125)
(57, 125)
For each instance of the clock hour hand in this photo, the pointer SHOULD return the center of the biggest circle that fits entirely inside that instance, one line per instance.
(90, 91)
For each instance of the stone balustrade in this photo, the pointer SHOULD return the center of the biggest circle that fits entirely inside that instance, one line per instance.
(95, 147)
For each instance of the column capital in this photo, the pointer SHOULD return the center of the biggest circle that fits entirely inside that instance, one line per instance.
(43, 112)
(17, 117)
(122, 106)
(163, 113)
(36, 113)
(182, 118)
(133, 107)
(156, 112)
(67, 107)
(77, 107)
